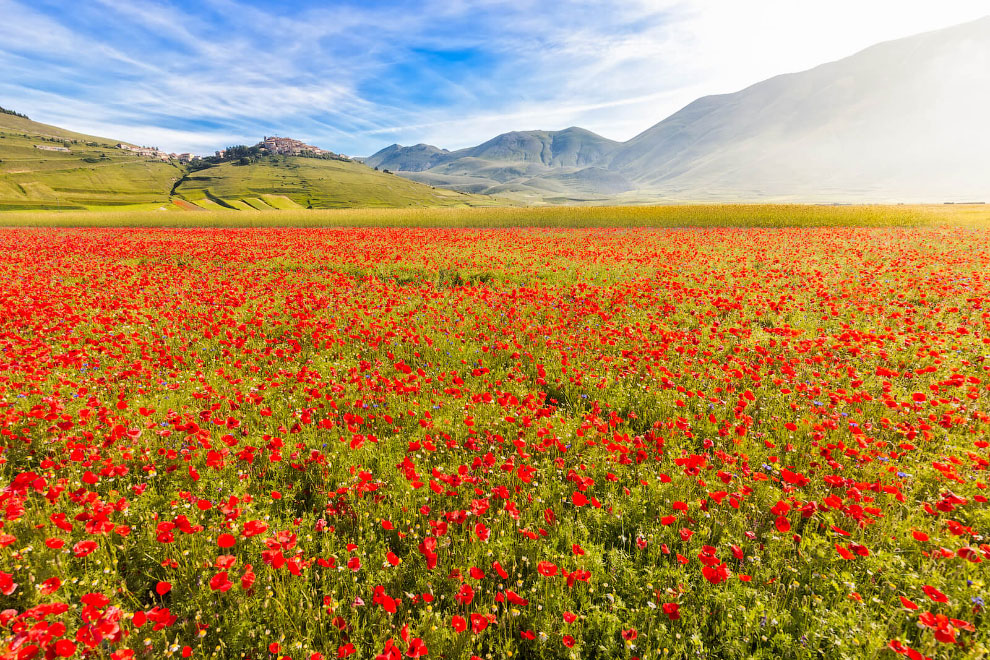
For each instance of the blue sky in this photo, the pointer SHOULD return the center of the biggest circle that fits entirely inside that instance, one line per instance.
(197, 75)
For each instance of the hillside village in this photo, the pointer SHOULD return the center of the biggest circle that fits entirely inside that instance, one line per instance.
(272, 145)
(154, 152)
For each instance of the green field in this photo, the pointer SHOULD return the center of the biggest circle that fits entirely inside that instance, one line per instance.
(92, 175)
(286, 183)
(710, 215)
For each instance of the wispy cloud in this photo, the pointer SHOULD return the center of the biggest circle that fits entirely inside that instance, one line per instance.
(356, 75)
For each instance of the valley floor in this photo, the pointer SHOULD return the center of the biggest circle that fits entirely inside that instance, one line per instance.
(686, 215)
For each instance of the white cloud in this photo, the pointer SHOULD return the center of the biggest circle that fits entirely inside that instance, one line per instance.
(354, 78)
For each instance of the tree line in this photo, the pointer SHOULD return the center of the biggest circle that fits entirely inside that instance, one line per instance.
(5, 111)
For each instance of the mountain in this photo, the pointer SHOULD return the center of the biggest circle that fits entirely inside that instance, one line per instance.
(531, 163)
(903, 120)
(571, 147)
(411, 159)
(900, 121)
(47, 167)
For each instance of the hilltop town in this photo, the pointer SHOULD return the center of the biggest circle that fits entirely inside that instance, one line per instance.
(278, 146)
(269, 145)
(290, 147)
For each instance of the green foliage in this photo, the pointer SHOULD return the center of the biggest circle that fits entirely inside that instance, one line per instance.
(11, 112)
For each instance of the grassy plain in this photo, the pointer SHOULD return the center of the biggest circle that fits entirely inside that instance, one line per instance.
(709, 215)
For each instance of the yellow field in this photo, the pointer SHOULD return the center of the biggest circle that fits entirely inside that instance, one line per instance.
(713, 215)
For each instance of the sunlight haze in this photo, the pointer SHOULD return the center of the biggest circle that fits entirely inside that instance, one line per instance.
(357, 76)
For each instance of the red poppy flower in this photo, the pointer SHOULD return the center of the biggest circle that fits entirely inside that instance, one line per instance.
(479, 622)
(64, 648)
(49, 586)
(83, 548)
(908, 604)
(935, 594)
(7, 584)
(220, 582)
(717, 573)
(465, 595)
(247, 579)
(417, 649)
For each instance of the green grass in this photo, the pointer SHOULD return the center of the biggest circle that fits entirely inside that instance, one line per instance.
(310, 182)
(714, 215)
(280, 202)
(257, 204)
(208, 204)
(93, 175)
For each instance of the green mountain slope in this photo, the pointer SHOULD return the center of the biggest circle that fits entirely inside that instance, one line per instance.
(92, 174)
(310, 182)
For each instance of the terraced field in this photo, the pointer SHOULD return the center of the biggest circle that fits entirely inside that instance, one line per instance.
(93, 174)
(292, 183)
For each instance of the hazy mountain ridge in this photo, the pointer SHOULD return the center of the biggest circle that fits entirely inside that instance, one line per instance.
(517, 161)
(896, 120)
(410, 159)
(899, 121)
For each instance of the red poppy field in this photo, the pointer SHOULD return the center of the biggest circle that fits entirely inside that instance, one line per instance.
(533, 443)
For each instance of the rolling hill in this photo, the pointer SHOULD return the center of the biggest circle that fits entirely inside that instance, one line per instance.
(47, 167)
(298, 182)
(901, 121)
(92, 173)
